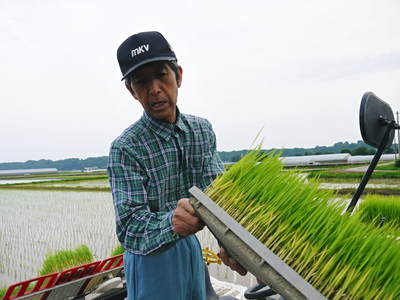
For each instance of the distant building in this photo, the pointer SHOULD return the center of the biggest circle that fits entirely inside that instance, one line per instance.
(368, 158)
(28, 171)
(322, 159)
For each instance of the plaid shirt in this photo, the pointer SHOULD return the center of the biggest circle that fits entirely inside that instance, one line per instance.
(151, 166)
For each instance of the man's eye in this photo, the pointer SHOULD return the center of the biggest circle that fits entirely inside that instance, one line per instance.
(139, 81)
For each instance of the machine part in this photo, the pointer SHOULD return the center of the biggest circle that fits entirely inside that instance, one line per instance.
(374, 116)
(109, 285)
(113, 294)
(250, 252)
(377, 126)
(259, 291)
(210, 257)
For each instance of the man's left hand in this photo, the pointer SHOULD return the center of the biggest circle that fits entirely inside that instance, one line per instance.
(184, 219)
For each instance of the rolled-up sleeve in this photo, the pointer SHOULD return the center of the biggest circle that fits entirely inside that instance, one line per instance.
(139, 230)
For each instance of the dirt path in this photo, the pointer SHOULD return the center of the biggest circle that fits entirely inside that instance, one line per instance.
(363, 169)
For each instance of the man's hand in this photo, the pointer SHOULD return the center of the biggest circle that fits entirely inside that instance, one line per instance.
(231, 263)
(184, 220)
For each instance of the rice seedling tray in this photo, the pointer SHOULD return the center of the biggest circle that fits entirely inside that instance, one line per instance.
(250, 252)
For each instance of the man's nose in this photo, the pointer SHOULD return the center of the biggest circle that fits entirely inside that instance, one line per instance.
(155, 86)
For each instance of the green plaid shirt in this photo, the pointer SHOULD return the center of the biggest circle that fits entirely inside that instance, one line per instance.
(151, 166)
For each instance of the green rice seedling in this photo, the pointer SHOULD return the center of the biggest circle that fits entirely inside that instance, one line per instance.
(2, 292)
(63, 259)
(17, 289)
(48, 221)
(340, 256)
(374, 207)
(118, 250)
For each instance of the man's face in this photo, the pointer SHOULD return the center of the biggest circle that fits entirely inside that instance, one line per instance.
(155, 86)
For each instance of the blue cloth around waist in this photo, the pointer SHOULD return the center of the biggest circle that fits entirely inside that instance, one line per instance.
(176, 273)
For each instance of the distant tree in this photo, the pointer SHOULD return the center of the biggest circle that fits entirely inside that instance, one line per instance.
(390, 150)
(358, 148)
(397, 163)
(236, 158)
(362, 151)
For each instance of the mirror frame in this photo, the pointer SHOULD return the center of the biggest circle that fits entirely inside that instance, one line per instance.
(373, 112)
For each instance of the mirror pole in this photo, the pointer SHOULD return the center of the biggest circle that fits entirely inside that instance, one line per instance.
(398, 135)
(371, 167)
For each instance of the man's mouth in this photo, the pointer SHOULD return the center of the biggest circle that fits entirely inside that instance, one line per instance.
(158, 104)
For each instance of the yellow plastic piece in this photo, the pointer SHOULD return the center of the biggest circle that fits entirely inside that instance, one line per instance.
(210, 257)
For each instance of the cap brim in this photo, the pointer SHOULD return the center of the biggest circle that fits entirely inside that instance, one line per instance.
(146, 61)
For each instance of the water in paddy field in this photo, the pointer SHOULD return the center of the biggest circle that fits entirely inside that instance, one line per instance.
(34, 223)
(98, 183)
(13, 181)
(341, 185)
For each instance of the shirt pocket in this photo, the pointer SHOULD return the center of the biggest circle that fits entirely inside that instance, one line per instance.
(195, 161)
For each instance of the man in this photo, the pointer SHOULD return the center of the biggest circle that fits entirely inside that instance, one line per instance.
(152, 164)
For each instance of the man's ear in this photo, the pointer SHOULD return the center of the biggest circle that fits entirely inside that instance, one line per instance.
(179, 80)
(128, 86)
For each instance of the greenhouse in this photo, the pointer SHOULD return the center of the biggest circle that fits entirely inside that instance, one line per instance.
(325, 159)
(316, 159)
(368, 158)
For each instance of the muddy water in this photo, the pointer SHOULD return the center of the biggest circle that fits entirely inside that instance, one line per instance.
(34, 223)
(337, 186)
(12, 181)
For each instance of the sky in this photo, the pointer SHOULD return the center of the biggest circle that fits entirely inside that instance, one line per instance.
(295, 69)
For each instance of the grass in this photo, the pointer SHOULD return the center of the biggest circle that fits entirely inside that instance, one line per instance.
(2, 292)
(30, 287)
(391, 166)
(370, 191)
(118, 250)
(59, 261)
(50, 221)
(330, 167)
(57, 184)
(64, 259)
(62, 180)
(55, 188)
(339, 255)
(52, 175)
(351, 175)
(374, 207)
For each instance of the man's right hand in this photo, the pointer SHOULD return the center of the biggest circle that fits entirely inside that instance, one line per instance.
(184, 219)
(230, 262)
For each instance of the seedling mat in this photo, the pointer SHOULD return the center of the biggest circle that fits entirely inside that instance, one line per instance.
(250, 252)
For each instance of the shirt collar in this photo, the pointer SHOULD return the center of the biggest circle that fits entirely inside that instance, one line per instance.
(164, 129)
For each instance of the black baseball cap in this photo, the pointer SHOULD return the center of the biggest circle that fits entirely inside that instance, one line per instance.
(143, 48)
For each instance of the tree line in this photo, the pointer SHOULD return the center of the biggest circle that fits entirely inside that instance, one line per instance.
(69, 164)
(358, 148)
